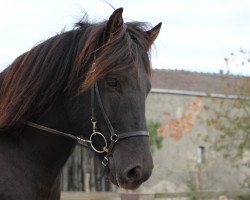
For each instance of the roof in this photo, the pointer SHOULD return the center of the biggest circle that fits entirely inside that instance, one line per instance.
(197, 82)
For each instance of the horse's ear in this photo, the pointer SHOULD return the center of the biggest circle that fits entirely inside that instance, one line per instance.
(114, 24)
(153, 33)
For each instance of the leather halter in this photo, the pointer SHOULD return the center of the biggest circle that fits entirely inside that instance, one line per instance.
(115, 136)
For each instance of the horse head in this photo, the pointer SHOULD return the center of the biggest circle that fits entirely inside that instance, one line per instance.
(121, 68)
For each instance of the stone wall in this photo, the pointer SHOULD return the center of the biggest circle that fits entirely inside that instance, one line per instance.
(184, 130)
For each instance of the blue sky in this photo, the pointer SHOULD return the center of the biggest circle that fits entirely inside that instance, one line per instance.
(196, 35)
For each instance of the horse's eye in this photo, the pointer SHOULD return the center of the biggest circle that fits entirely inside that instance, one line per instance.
(112, 82)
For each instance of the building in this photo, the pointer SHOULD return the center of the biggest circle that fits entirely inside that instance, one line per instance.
(178, 100)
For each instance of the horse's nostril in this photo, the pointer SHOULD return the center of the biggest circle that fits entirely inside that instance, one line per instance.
(134, 174)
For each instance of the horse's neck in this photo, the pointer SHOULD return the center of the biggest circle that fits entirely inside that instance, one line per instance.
(53, 150)
(38, 156)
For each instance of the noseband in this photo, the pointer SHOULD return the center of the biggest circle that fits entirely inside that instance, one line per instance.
(115, 136)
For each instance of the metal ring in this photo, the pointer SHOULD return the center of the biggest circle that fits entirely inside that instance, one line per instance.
(93, 147)
(114, 138)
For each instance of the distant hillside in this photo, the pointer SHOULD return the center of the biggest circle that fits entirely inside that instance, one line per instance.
(198, 82)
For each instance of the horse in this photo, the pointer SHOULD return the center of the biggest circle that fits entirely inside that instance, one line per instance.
(85, 86)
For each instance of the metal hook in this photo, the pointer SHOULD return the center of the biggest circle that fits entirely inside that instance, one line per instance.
(94, 127)
(93, 121)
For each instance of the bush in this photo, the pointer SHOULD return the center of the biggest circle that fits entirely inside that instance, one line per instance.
(155, 139)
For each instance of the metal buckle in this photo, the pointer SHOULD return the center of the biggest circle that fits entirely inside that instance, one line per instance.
(82, 141)
(114, 138)
(92, 145)
(105, 161)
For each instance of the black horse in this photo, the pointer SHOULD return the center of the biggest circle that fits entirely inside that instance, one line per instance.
(90, 83)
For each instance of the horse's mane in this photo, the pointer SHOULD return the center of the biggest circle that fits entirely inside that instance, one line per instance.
(62, 64)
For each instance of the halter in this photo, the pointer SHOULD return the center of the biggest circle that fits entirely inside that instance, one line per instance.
(115, 136)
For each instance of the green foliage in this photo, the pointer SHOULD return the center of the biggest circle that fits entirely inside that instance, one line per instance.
(155, 139)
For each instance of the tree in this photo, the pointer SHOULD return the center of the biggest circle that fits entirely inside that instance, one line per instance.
(237, 60)
(232, 117)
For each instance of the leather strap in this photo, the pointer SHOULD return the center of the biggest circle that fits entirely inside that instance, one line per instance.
(93, 118)
(79, 140)
(114, 138)
(132, 134)
(109, 125)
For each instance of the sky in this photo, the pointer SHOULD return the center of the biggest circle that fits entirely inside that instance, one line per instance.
(196, 35)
